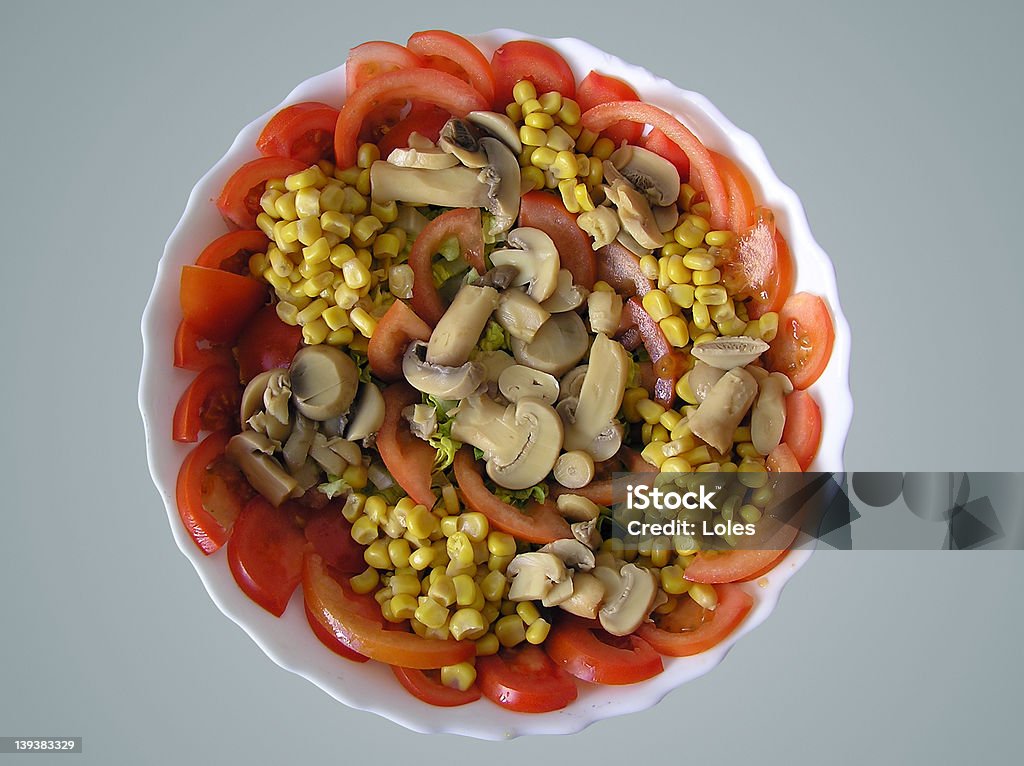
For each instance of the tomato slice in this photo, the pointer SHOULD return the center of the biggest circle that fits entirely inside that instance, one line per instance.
(662, 145)
(231, 252)
(589, 653)
(620, 268)
(330, 534)
(210, 403)
(804, 343)
(759, 267)
(461, 223)
(194, 352)
(544, 211)
(668, 363)
(535, 523)
(217, 304)
(266, 343)
(409, 459)
(597, 89)
(396, 329)
(426, 685)
(239, 200)
(782, 460)
(335, 610)
(331, 641)
(529, 60)
(803, 427)
(370, 60)
(701, 164)
(437, 43)
(525, 680)
(427, 121)
(265, 554)
(444, 90)
(738, 191)
(690, 630)
(305, 134)
(207, 506)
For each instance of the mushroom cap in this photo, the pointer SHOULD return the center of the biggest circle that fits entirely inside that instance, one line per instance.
(557, 347)
(542, 429)
(461, 140)
(635, 214)
(323, 381)
(518, 381)
(702, 377)
(367, 413)
(573, 553)
(437, 380)
(574, 469)
(499, 126)
(520, 315)
(629, 598)
(723, 408)
(459, 328)
(431, 159)
(726, 353)
(572, 382)
(502, 176)
(587, 594)
(651, 174)
(535, 256)
(590, 423)
(567, 296)
(533, 575)
(253, 454)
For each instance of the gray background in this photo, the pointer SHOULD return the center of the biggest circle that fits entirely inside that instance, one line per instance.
(897, 123)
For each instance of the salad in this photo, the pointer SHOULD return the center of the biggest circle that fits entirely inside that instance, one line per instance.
(446, 311)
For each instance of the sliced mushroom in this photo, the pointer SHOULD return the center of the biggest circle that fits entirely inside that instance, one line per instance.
(574, 469)
(533, 575)
(768, 418)
(499, 126)
(702, 378)
(629, 598)
(518, 381)
(654, 176)
(422, 419)
(666, 217)
(574, 554)
(438, 380)
(410, 220)
(494, 363)
(367, 413)
(557, 347)
(520, 314)
(323, 381)
(520, 442)
(419, 141)
(578, 507)
(461, 140)
(253, 454)
(587, 533)
(307, 477)
(453, 187)
(602, 224)
(572, 382)
(634, 213)
(500, 277)
(296, 449)
(502, 176)
(726, 353)
(458, 330)
(600, 399)
(334, 455)
(586, 598)
(431, 159)
(605, 310)
(264, 406)
(625, 239)
(559, 593)
(723, 408)
(535, 257)
(567, 296)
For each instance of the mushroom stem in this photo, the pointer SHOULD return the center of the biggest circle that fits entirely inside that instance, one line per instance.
(459, 328)
(451, 187)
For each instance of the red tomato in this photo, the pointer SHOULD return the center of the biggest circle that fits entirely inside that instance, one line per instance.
(210, 403)
(804, 343)
(239, 200)
(691, 630)
(535, 523)
(668, 364)
(782, 460)
(803, 427)
(701, 164)
(425, 121)
(426, 685)
(207, 505)
(444, 90)
(533, 61)
(774, 563)
(409, 459)
(372, 59)
(544, 211)
(598, 88)
(336, 611)
(466, 57)
(266, 343)
(621, 269)
(586, 651)
(217, 304)
(265, 554)
(737, 189)
(231, 252)
(193, 352)
(331, 537)
(462, 223)
(331, 641)
(759, 267)
(525, 680)
(396, 329)
(305, 134)
(662, 145)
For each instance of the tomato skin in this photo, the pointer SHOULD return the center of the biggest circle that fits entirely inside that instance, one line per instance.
(525, 679)
(465, 225)
(458, 50)
(535, 523)
(265, 554)
(207, 531)
(544, 211)
(188, 355)
(331, 641)
(803, 345)
(431, 690)
(738, 191)
(759, 267)
(330, 534)
(587, 652)
(370, 60)
(239, 200)
(444, 90)
(210, 403)
(597, 88)
(266, 143)
(782, 460)
(395, 331)
(662, 145)
(803, 427)
(231, 251)
(306, 134)
(426, 121)
(409, 459)
(217, 304)
(529, 60)
(266, 343)
(620, 268)
(667, 365)
(733, 605)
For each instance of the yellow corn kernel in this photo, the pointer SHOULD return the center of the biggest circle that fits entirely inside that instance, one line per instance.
(449, 525)
(331, 198)
(538, 632)
(746, 450)
(704, 337)
(540, 120)
(732, 327)
(345, 296)
(288, 313)
(565, 165)
(442, 589)
(460, 549)
(702, 209)
(501, 544)
(403, 606)
(670, 418)
(353, 508)
(280, 263)
(355, 476)
(676, 465)
(675, 331)
(528, 612)
(312, 312)
(676, 269)
(681, 430)
(603, 148)
(569, 112)
(649, 266)
(585, 141)
(408, 583)
(363, 321)
(307, 202)
(699, 260)
(376, 554)
(510, 630)
(421, 522)
(681, 295)
(567, 188)
(712, 295)
(499, 563)
(769, 326)
(583, 198)
(400, 551)
(366, 227)
(318, 252)
(267, 200)
(475, 526)
(431, 613)
(258, 262)
(285, 207)
(750, 514)
(348, 175)
(523, 91)
(487, 645)
(559, 140)
(698, 455)
(467, 624)
(277, 184)
(701, 316)
(493, 586)
(309, 270)
(705, 595)
(533, 176)
(311, 176)
(514, 112)
(532, 106)
(672, 580)
(421, 558)
(724, 311)
(367, 155)
(550, 102)
(353, 202)
(630, 399)
(461, 676)
(542, 157)
(466, 590)
(356, 274)
(688, 235)
(710, 276)
(650, 410)
(336, 317)
(340, 337)
(337, 223)
(751, 474)
(654, 453)
(376, 509)
(718, 238)
(308, 230)
(657, 304)
(531, 136)
(366, 581)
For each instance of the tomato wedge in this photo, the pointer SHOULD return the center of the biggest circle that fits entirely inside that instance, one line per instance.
(396, 329)
(737, 189)
(334, 609)
(436, 44)
(804, 343)
(265, 554)
(525, 680)
(231, 252)
(782, 460)
(305, 134)
(620, 268)
(194, 352)
(544, 211)
(803, 427)
(210, 403)
(662, 145)
(535, 523)
(426, 685)
(597, 89)
(759, 266)
(266, 343)
(444, 90)
(533, 61)
(372, 59)
(668, 364)
(461, 223)
(426, 121)
(601, 117)
(330, 534)
(695, 630)
(239, 200)
(409, 459)
(207, 506)
(591, 654)
(217, 304)
(331, 641)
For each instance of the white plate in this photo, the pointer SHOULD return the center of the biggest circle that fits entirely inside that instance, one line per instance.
(370, 686)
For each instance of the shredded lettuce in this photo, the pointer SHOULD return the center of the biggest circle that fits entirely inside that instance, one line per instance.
(334, 486)
(450, 249)
(634, 374)
(362, 363)
(441, 440)
(494, 338)
(520, 497)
